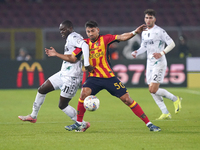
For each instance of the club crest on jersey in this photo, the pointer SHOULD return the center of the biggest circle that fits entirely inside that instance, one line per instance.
(97, 43)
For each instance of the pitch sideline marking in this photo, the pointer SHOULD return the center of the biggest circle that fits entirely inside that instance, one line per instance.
(188, 91)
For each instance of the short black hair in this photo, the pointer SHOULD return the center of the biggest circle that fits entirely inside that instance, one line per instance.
(150, 12)
(67, 23)
(91, 24)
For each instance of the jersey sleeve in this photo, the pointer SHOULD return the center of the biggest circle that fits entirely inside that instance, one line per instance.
(143, 46)
(110, 38)
(77, 41)
(165, 37)
(77, 53)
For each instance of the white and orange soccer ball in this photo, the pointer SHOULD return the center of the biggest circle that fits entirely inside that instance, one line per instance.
(91, 103)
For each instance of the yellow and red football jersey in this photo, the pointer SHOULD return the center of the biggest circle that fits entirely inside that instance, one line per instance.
(99, 56)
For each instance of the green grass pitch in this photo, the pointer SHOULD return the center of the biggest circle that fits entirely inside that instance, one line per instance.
(113, 125)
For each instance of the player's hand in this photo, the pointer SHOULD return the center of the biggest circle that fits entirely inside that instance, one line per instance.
(134, 53)
(90, 68)
(140, 29)
(50, 52)
(157, 55)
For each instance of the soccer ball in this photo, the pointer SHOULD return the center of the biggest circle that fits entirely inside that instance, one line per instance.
(91, 103)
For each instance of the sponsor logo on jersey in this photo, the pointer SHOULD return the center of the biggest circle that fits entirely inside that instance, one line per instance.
(97, 55)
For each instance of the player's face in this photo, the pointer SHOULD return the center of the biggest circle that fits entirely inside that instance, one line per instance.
(149, 20)
(64, 31)
(92, 33)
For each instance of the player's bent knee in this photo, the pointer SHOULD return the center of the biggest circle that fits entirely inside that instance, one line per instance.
(126, 99)
(152, 91)
(62, 105)
(85, 92)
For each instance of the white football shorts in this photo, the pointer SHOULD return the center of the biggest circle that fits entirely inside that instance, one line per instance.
(155, 73)
(68, 85)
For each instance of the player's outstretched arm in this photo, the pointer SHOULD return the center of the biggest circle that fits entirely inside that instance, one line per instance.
(127, 36)
(134, 54)
(52, 52)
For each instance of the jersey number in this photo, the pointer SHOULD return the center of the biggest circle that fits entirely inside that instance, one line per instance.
(118, 86)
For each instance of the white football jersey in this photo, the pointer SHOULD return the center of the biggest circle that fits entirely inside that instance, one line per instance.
(153, 41)
(73, 41)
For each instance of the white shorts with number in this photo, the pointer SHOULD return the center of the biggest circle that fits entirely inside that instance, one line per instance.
(68, 85)
(156, 73)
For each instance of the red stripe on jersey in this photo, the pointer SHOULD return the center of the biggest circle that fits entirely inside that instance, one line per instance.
(104, 69)
(99, 73)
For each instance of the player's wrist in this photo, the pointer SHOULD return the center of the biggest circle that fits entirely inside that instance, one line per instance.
(134, 33)
(162, 53)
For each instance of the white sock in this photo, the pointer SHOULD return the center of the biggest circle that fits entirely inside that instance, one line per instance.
(71, 112)
(166, 94)
(39, 99)
(148, 123)
(159, 101)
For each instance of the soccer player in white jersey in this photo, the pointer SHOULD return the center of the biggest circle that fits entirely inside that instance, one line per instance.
(153, 41)
(68, 79)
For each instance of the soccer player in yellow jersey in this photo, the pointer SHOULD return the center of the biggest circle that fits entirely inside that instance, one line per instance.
(102, 76)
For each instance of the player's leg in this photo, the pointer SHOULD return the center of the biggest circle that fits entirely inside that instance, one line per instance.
(116, 88)
(137, 110)
(89, 88)
(39, 99)
(168, 95)
(68, 91)
(153, 87)
(155, 75)
(85, 91)
(66, 108)
(49, 85)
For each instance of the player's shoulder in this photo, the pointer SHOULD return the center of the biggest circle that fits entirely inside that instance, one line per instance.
(87, 40)
(107, 35)
(159, 29)
(74, 35)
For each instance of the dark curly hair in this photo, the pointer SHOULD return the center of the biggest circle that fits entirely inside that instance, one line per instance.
(150, 12)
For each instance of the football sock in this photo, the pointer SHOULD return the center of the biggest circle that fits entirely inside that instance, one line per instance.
(70, 111)
(159, 101)
(166, 94)
(80, 110)
(39, 99)
(149, 123)
(137, 110)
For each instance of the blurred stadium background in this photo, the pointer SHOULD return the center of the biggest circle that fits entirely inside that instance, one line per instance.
(33, 24)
